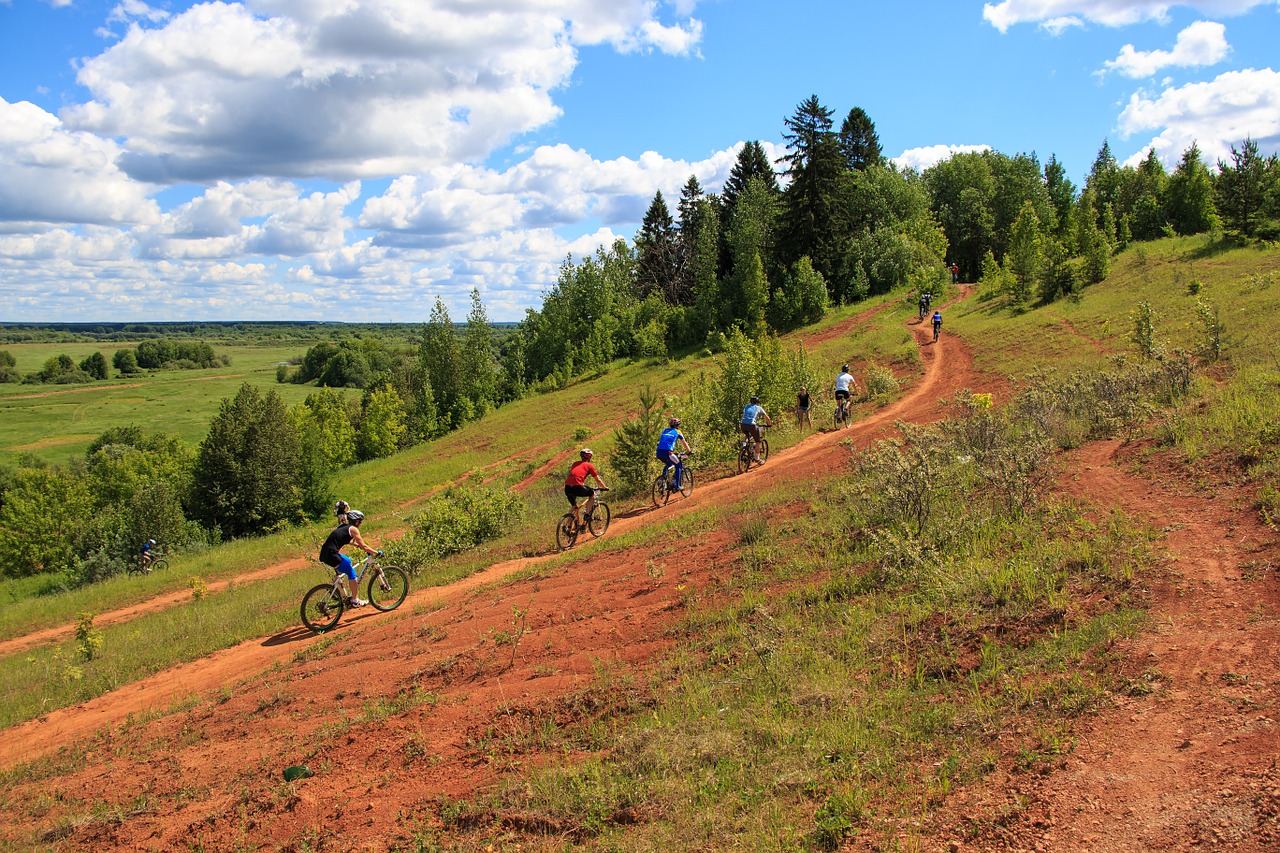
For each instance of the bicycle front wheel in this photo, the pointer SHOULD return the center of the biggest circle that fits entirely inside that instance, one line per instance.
(764, 450)
(388, 587)
(598, 523)
(660, 491)
(566, 532)
(159, 565)
(686, 482)
(744, 457)
(321, 608)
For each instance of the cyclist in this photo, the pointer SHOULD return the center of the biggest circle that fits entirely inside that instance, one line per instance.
(340, 510)
(937, 324)
(749, 426)
(575, 485)
(802, 408)
(145, 556)
(667, 448)
(347, 533)
(844, 387)
(923, 303)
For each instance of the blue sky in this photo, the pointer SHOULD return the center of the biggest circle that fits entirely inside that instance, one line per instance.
(355, 159)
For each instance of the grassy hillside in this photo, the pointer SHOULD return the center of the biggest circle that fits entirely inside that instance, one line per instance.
(852, 666)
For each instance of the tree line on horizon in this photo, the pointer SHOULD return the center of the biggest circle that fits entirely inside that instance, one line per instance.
(831, 223)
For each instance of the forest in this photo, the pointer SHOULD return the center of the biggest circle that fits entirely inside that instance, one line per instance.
(832, 223)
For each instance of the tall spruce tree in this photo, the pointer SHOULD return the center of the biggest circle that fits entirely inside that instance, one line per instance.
(689, 211)
(1243, 188)
(1062, 194)
(657, 253)
(814, 222)
(858, 140)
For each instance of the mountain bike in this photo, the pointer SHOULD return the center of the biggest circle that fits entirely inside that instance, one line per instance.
(386, 589)
(664, 485)
(746, 453)
(937, 327)
(843, 416)
(597, 522)
(138, 567)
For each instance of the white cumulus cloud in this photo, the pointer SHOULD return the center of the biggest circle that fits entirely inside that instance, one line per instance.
(1111, 13)
(929, 155)
(1202, 43)
(344, 89)
(1215, 114)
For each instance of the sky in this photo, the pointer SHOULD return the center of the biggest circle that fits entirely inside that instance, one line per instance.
(355, 160)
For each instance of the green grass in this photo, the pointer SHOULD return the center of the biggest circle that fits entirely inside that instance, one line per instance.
(55, 422)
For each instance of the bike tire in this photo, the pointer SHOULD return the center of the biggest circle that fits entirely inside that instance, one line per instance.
(764, 451)
(566, 532)
(136, 569)
(387, 588)
(686, 482)
(322, 608)
(157, 565)
(661, 494)
(744, 458)
(598, 523)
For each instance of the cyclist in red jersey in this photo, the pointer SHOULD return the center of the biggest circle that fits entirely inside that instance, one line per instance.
(575, 485)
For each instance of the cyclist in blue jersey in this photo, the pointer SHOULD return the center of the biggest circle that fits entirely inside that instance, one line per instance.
(750, 415)
(667, 448)
(937, 324)
(145, 556)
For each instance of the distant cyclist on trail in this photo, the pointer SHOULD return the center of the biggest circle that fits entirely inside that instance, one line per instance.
(145, 556)
(667, 448)
(340, 510)
(575, 485)
(844, 391)
(750, 427)
(937, 324)
(347, 533)
(923, 303)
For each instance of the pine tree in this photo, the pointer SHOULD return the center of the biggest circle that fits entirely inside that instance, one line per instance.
(1062, 193)
(859, 143)
(1026, 251)
(657, 255)
(689, 213)
(438, 353)
(478, 359)
(1243, 188)
(1189, 197)
(813, 223)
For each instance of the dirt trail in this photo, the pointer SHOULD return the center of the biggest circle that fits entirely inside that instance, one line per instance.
(947, 367)
(1192, 765)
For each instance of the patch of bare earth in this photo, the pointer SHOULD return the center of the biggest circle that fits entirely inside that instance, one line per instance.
(1186, 759)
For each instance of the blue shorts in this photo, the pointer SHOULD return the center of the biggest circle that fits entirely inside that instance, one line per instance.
(667, 457)
(345, 566)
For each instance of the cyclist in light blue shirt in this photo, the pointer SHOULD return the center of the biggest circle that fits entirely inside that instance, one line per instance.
(750, 415)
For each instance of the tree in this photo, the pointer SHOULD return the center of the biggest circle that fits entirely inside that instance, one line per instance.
(1104, 178)
(478, 357)
(859, 143)
(247, 467)
(690, 212)
(1243, 188)
(381, 424)
(744, 293)
(95, 365)
(632, 461)
(438, 354)
(43, 510)
(1189, 198)
(8, 367)
(1026, 252)
(657, 254)
(813, 222)
(334, 421)
(1062, 194)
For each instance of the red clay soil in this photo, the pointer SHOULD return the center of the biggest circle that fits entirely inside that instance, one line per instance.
(444, 696)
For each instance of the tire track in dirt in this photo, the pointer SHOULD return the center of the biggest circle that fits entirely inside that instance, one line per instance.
(948, 367)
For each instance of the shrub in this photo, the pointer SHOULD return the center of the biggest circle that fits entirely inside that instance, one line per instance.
(456, 521)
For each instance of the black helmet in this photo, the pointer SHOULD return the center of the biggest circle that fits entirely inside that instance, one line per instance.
(844, 368)
(355, 516)
(754, 399)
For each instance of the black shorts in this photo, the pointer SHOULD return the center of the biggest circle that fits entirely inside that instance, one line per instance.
(572, 492)
(842, 395)
(752, 430)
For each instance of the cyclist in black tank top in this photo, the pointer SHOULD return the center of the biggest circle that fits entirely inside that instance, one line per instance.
(339, 538)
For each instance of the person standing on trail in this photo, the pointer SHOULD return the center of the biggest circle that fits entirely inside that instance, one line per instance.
(955, 273)
(802, 408)
(347, 533)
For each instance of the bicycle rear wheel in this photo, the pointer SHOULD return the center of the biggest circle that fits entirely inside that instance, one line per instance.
(388, 587)
(686, 482)
(598, 522)
(566, 532)
(660, 491)
(321, 608)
